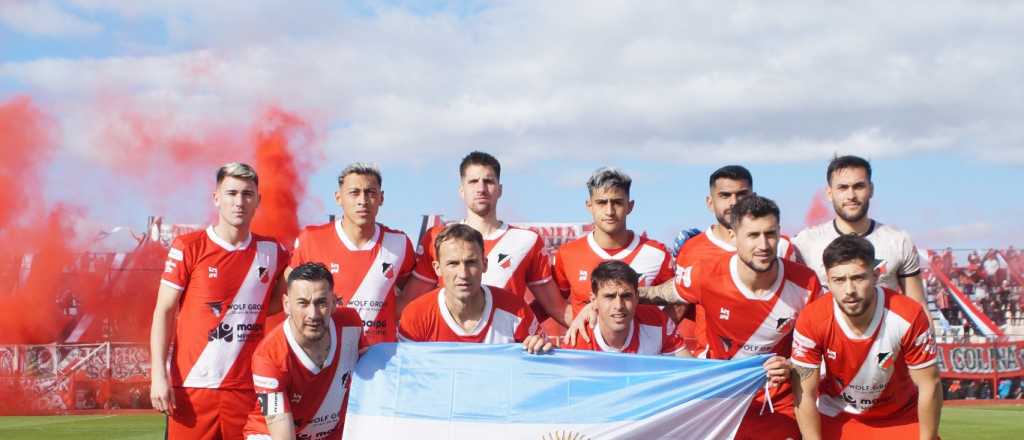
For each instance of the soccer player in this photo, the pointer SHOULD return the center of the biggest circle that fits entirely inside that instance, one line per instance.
(221, 282)
(464, 310)
(516, 258)
(609, 205)
(881, 378)
(368, 260)
(301, 369)
(623, 324)
(752, 299)
(850, 189)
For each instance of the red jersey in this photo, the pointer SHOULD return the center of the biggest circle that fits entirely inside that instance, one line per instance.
(506, 319)
(288, 381)
(225, 292)
(866, 376)
(651, 334)
(515, 259)
(704, 248)
(364, 277)
(576, 259)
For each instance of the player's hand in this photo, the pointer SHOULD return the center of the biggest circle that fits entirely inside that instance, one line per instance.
(587, 316)
(537, 344)
(161, 396)
(777, 369)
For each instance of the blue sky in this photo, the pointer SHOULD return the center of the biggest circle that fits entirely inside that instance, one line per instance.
(667, 91)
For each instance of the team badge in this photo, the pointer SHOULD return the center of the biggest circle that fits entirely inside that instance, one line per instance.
(784, 325)
(264, 274)
(885, 360)
(504, 261)
(388, 269)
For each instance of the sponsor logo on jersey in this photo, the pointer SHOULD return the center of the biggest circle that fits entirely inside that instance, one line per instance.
(222, 332)
(216, 307)
(504, 261)
(830, 354)
(211, 272)
(885, 360)
(335, 268)
(926, 340)
(683, 276)
(784, 325)
(388, 269)
(723, 314)
(264, 274)
(583, 275)
(296, 397)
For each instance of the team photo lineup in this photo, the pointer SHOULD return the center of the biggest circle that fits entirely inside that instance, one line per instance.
(838, 310)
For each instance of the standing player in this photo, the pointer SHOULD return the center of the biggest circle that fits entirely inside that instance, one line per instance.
(301, 369)
(850, 190)
(464, 310)
(220, 282)
(516, 256)
(368, 260)
(752, 299)
(881, 380)
(609, 205)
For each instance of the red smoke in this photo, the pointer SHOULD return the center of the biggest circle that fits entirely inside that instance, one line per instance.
(819, 211)
(281, 140)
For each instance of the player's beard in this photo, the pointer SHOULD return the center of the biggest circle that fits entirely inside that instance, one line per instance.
(771, 265)
(855, 217)
(723, 220)
(865, 306)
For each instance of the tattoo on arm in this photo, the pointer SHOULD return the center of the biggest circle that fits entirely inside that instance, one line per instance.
(275, 418)
(804, 372)
(662, 294)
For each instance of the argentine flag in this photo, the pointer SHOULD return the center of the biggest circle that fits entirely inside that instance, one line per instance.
(470, 391)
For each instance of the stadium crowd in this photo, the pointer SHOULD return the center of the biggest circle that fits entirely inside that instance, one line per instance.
(989, 280)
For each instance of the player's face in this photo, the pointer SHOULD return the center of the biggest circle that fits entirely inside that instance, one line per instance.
(850, 193)
(309, 305)
(853, 287)
(756, 242)
(616, 304)
(236, 201)
(609, 207)
(723, 197)
(461, 265)
(360, 197)
(480, 189)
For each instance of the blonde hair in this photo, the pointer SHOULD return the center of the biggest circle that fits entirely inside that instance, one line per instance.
(237, 170)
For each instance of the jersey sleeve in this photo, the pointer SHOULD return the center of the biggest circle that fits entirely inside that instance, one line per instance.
(270, 381)
(539, 269)
(667, 270)
(911, 264)
(528, 324)
(409, 262)
(687, 284)
(671, 343)
(412, 327)
(424, 268)
(178, 266)
(806, 347)
(559, 273)
(282, 256)
(300, 254)
(918, 344)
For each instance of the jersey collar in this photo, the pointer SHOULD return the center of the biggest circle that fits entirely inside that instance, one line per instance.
(454, 325)
(304, 358)
(618, 256)
(871, 228)
(352, 246)
(734, 263)
(718, 242)
(495, 234)
(224, 244)
(876, 319)
(608, 348)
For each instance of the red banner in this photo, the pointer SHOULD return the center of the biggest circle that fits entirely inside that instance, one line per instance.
(981, 361)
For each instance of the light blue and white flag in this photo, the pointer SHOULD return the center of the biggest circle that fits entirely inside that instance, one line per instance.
(477, 391)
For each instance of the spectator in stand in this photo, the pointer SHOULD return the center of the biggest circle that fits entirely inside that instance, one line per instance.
(947, 260)
(1004, 388)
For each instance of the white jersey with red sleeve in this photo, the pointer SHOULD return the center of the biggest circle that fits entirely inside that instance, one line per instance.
(288, 381)
(225, 292)
(506, 319)
(576, 259)
(893, 247)
(364, 276)
(866, 376)
(515, 259)
(651, 334)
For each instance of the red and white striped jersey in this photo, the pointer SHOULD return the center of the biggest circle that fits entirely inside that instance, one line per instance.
(652, 334)
(515, 259)
(506, 319)
(364, 277)
(287, 380)
(225, 292)
(866, 376)
(576, 259)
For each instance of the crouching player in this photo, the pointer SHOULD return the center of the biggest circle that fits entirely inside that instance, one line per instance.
(880, 378)
(301, 369)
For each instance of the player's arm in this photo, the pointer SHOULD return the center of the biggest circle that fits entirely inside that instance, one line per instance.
(913, 287)
(929, 400)
(805, 391)
(280, 425)
(554, 304)
(662, 294)
(277, 294)
(160, 392)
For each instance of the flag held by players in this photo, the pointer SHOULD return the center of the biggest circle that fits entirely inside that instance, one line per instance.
(447, 390)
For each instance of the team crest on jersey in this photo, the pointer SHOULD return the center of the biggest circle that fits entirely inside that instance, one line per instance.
(723, 314)
(388, 269)
(784, 325)
(880, 268)
(504, 261)
(264, 274)
(296, 397)
(216, 307)
(583, 275)
(212, 271)
(885, 360)
(335, 268)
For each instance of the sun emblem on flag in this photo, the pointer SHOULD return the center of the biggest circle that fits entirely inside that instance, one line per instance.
(564, 435)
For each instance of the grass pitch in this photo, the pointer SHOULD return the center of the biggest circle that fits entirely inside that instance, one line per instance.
(958, 423)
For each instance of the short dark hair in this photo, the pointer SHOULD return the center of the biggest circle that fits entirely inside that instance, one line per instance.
(457, 231)
(844, 162)
(847, 248)
(482, 159)
(731, 172)
(754, 206)
(611, 271)
(312, 271)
